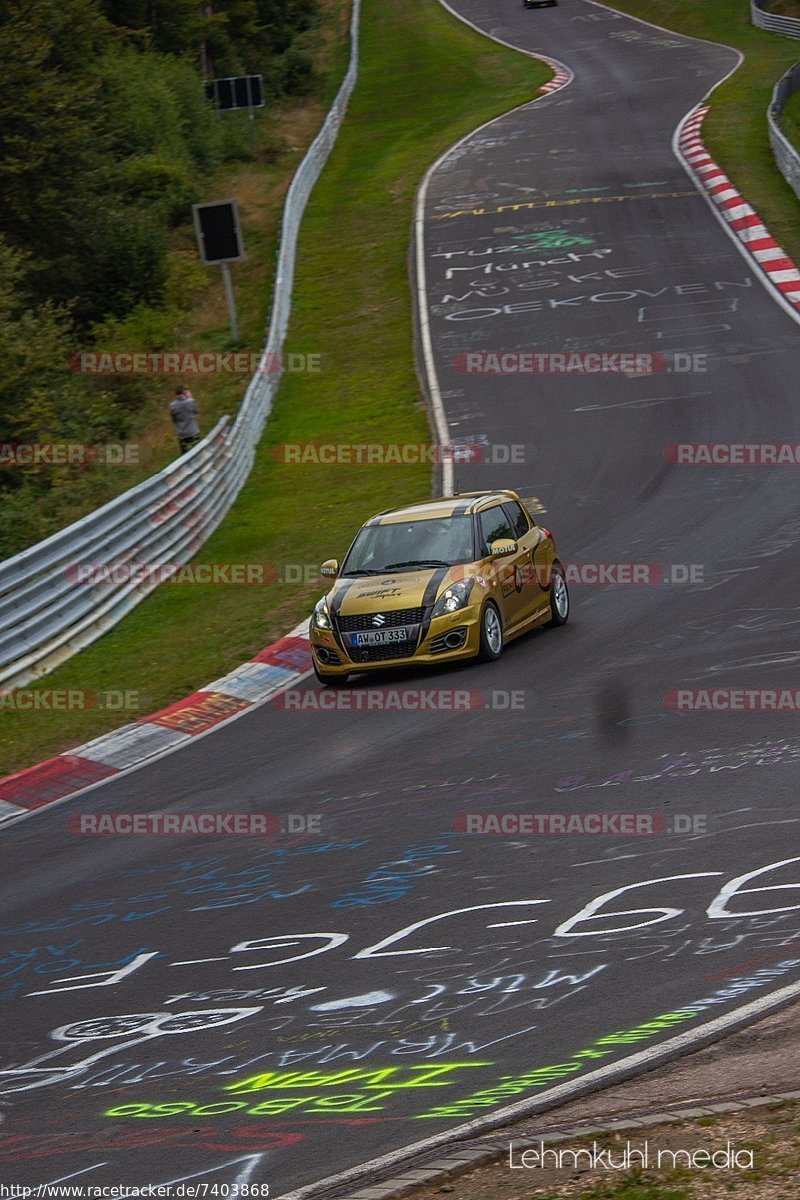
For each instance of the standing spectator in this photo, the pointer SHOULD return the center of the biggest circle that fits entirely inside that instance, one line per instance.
(183, 411)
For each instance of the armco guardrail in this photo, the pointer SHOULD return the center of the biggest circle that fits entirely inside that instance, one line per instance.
(788, 26)
(46, 613)
(786, 155)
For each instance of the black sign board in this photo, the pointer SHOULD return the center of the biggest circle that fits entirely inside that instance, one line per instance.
(219, 237)
(239, 91)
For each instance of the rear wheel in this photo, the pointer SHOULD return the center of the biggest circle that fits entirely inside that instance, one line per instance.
(559, 597)
(491, 634)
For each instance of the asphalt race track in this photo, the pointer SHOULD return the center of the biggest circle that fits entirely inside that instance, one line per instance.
(280, 1010)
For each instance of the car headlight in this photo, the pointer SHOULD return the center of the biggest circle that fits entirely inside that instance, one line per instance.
(320, 618)
(453, 598)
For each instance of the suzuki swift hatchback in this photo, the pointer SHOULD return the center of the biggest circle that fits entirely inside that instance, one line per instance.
(442, 580)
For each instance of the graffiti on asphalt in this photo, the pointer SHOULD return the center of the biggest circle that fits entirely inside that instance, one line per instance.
(60, 1066)
(688, 764)
(376, 1088)
(393, 880)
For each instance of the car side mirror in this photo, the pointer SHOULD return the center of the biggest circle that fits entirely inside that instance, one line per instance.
(502, 549)
(330, 567)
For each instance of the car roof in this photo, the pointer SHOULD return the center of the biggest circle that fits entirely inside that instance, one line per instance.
(443, 506)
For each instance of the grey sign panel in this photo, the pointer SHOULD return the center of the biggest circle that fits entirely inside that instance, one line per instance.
(219, 237)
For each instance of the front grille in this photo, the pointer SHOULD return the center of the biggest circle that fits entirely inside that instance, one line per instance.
(370, 654)
(394, 617)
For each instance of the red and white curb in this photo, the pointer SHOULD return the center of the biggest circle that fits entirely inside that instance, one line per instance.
(561, 77)
(249, 685)
(562, 73)
(742, 221)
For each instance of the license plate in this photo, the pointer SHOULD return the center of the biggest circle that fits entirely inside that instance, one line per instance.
(380, 637)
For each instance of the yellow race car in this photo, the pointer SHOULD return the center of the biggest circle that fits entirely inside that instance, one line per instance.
(446, 579)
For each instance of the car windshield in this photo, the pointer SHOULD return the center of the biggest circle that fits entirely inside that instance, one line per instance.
(408, 545)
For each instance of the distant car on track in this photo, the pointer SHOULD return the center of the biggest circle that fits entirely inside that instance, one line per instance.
(539, 3)
(445, 579)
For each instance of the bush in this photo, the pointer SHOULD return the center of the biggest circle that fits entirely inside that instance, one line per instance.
(296, 72)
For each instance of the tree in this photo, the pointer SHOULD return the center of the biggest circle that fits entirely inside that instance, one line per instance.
(176, 27)
(52, 142)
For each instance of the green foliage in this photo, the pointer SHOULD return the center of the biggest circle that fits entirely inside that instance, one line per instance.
(106, 137)
(169, 26)
(52, 141)
(293, 72)
(284, 19)
(248, 34)
(162, 133)
(106, 140)
(42, 401)
(230, 37)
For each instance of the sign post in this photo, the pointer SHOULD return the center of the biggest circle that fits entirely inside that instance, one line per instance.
(219, 240)
(226, 283)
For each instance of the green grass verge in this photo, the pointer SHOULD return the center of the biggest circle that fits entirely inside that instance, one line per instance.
(783, 8)
(765, 1136)
(425, 80)
(735, 130)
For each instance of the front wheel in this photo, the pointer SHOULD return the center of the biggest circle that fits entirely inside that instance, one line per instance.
(491, 634)
(559, 597)
(329, 680)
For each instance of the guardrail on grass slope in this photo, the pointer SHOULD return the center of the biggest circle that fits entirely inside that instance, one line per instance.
(788, 26)
(46, 615)
(786, 155)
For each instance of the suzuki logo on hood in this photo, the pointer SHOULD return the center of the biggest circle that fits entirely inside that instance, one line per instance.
(379, 619)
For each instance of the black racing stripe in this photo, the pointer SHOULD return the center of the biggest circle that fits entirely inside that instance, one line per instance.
(429, 599)
(334, 609)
